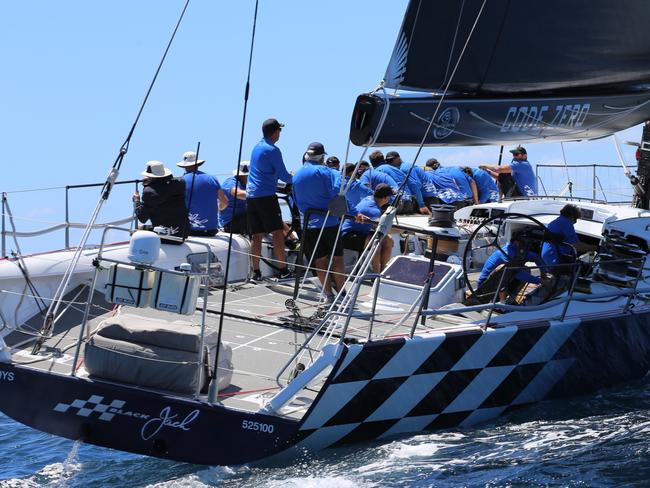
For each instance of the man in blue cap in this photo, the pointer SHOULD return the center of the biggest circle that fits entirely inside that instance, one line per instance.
(263, 210)
(520, 170)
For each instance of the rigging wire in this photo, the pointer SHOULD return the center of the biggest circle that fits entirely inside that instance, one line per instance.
(212, 393)
(53, 309)
(566, 169)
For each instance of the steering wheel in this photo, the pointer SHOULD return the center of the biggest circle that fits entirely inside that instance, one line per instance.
(499, 220)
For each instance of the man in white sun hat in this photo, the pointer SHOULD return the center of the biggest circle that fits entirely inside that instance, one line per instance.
(163, 200)
(233, 217)
(203, 196)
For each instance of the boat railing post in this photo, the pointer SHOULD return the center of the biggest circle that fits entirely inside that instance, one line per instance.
(571, 290)
(495, 297)
(636, 284)
(67, 217)
(593, 185)
(373, 310)
(4, 230)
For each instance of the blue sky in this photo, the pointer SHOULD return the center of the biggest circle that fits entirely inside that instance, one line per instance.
(75, 73)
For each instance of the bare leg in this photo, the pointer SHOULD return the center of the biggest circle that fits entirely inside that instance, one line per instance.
(338, 272)
(256, 250)
(321, 266)
(278, 248)
(386, 251)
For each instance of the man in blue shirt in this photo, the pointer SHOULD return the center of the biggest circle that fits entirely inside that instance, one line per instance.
(411, 190)
(371, 177)
(452, 185)
(355, 190)
(263, 210)
(357, 233)
(516, 254)
(314, 187)
(233, 217)
(486, 187)
(203, 197)
(521, 171)
(562, 228)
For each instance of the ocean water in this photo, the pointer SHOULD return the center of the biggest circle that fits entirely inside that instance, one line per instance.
(591, 441)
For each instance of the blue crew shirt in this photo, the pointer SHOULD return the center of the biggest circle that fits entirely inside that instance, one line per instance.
(444, 184)
(497, 258)
(225, 215)
(203, 210)
(266, 168)
(462, 179)
(524, 177)
(368, 207)
(485, 185)
(562, 226)
(417, 176)
(410, 189)
(355, 194)
(371, 178)
(314, 187)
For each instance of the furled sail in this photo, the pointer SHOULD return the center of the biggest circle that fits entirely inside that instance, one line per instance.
(531, 71)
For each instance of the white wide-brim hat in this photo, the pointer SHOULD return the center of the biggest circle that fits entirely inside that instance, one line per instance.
(189, 159)
(244, 168)
(155, 169)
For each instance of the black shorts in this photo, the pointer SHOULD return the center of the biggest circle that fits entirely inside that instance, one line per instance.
(264, 215)
(238, 224)
(327, 245)
(356, 241)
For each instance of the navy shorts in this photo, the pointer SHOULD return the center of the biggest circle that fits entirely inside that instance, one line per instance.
(264, 215)
(327, 245)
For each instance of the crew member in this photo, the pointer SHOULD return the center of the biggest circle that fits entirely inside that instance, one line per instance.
(410, 190)
(562, 228)
(314, 187)
(521, 171)
(485, 186)
(233, 217)
(355, 190)
(451, 187)
(517, 254)
(263, 210)
(371, 177)
(423, 190)
(203, 196)
(163, 201)
(333, 163)
(357, 233)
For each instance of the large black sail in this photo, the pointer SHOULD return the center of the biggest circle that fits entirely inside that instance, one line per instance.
(522, 46)
(533, 70)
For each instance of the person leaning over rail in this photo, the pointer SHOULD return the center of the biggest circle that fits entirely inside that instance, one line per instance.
(411, 189)
(163, 201)
(357, 233)
(203, 197)
(233, 217)
(485, 185)
(371, 177)
(314, 187)
(450, 187)
(263, 209)
(521, 172)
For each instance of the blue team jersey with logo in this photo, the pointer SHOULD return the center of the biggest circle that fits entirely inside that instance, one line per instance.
(371, 178)
(486, 186)
(497, 258)
(444, 185)
(203, 209)
(524, 177)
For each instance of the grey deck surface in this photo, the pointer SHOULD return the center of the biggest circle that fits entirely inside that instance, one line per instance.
(262, 332)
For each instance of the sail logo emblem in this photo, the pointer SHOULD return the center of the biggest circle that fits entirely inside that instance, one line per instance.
(446, 123)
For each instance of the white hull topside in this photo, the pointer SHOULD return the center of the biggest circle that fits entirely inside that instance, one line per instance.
(18, 302)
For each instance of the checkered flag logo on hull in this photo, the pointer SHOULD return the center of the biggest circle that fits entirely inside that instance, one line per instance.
(94, 404)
